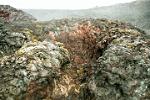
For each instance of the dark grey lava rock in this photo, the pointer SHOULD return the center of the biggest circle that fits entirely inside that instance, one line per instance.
(29, 74)
(15, 14)
(120, 69)
(10, 41)
(123, 71)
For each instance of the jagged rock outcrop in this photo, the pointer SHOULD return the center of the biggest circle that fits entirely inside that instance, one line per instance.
(10, 41)
(31, 71)
(122, 71)
(12, 14)
(122, 68)
(111, 58)
(108, 60)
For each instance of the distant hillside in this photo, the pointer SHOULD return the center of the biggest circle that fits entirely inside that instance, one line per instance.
(46, 14)
(14, 14)
(137, 13)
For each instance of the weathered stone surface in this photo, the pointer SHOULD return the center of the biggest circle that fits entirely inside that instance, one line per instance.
(109, 61)
(122, 72)
(31, 71)
(10, 41)
(12, 14)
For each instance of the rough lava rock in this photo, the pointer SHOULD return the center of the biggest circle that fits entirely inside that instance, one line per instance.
(112, 62)
(30, 72)
(121, 66)
(10, 41)
(15, 14)
(122, 71)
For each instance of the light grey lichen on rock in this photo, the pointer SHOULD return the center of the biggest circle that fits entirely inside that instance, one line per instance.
(10, 41)
(123, 70)
(38, 62)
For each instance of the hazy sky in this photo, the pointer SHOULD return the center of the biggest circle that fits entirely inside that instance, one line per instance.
(60, 4)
